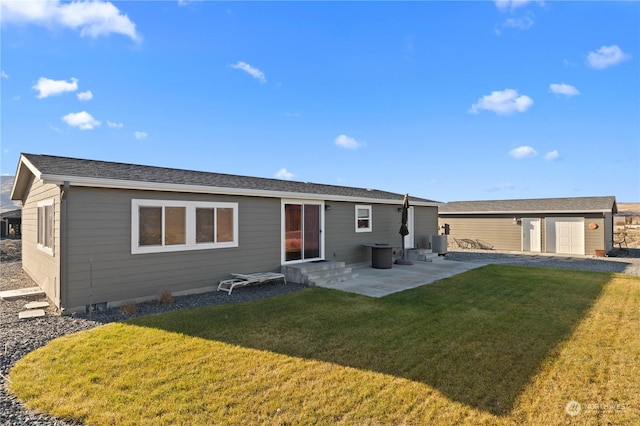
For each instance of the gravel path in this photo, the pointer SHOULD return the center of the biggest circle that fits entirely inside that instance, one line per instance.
(626, 262)
(19, 337)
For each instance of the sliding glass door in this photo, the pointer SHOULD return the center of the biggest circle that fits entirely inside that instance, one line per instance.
(302, 222)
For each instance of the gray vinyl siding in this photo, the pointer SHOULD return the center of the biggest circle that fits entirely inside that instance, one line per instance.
(499, 231)
(343, 243)
(93, 263)
(425, 225)
(608, 231)
(43, 267)
(594, 239)
(100, 267)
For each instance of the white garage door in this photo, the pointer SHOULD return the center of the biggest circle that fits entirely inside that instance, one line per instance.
(565, 235)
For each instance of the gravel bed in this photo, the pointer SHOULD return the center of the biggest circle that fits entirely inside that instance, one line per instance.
(19, 337)
(625, 262)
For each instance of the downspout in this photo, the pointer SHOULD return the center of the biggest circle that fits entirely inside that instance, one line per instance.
(62, 285)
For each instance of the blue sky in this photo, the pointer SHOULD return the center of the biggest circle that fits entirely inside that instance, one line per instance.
(443, 100)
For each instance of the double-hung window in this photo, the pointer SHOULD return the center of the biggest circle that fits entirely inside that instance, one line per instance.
(363, 219)
(45, 226)
(163, 225)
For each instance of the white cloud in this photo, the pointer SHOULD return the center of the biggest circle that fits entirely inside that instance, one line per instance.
(523, 23)
(4, 74)
(519, 23)
(606, 56)
(85, 96)
(511, 5)
(293, 114)
(284, 174)
(113, 125)
(253, 72)
(502, 102)
(48, 87)
(82, 120)
(523, 152)
(140, 135)
(552, 155)
(92, 18)
(348, 142)
(563, 89)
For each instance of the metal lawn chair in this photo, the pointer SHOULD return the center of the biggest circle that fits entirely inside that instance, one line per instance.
(242, 280)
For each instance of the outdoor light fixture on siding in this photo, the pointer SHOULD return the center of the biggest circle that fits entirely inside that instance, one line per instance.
(327, 207)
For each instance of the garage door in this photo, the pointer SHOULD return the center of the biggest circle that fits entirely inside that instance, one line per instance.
(565, 235)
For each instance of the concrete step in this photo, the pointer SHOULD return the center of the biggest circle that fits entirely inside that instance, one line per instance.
(322, 282)
(318, 266)
(36, 305)
(329, 273)
(33, 313)
(21, 292)
(422, 255)
(297, 273)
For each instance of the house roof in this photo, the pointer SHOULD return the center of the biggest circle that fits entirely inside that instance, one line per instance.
(534, 205)
(105, 174)
(11, 214)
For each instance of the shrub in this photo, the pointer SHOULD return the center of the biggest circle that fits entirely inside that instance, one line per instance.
(165, 298)
(129, 308)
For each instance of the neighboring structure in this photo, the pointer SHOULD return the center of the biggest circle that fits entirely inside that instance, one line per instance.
(628, 215)
(10, 223)
(547, 225)
(98, 232)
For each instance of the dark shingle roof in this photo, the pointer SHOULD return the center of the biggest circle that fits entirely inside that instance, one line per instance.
(104, 170)
(558, 205)
(11, 214)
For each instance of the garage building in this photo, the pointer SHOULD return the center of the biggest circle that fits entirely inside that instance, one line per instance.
(580, 225)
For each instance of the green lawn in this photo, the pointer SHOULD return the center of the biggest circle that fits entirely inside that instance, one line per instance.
(496, 345)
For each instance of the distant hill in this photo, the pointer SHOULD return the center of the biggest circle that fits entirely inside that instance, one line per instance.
(6, 182)
(628, 209)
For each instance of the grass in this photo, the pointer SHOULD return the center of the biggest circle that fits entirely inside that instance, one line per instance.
(496, 345)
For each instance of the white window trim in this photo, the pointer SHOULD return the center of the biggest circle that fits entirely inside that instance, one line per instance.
(42, 247)
(363, 207)
(190, 207)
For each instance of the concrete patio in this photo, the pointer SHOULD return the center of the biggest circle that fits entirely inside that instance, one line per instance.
(382, 282)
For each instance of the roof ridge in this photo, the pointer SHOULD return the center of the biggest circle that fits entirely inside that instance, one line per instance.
(114, 170)
(533, 199)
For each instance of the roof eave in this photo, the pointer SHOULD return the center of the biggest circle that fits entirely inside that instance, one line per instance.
(520, 212)
(204, 189)
(25, 167)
